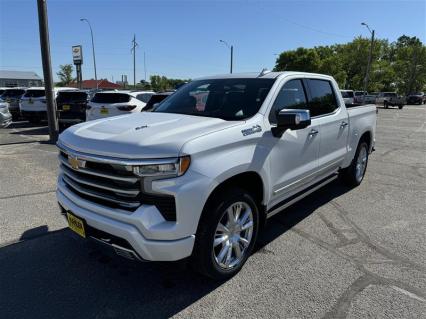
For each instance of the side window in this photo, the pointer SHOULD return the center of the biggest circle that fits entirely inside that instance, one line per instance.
(322, 99)
(291, 96)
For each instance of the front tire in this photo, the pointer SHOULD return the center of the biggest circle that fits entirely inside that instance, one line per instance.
(226, 234)
(354, 174)
(400, 106)
(385, 104)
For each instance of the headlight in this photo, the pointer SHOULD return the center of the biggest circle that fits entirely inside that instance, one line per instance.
(177, 168)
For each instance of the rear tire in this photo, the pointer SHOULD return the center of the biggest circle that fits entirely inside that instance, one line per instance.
(385, 105)
(354, 174)
(400, 106)
(224, 243)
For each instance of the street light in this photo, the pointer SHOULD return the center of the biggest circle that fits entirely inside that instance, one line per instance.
(367, 72)
(93, 49)
(231, 47)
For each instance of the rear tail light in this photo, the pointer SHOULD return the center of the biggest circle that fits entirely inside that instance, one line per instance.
(126, 107)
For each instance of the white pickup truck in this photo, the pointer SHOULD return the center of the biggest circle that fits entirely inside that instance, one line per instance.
(199, 176)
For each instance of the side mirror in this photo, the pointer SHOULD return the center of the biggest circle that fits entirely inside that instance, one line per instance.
(291, 119)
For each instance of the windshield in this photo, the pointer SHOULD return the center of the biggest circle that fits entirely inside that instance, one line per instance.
(13, 93)
(347, 94)
(228, 99)
(34, 93)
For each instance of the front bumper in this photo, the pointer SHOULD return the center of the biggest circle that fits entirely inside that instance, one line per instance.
(148, 233)
(152, 250)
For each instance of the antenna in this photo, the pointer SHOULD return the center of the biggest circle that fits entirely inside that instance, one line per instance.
(134, 45)
(263, 72)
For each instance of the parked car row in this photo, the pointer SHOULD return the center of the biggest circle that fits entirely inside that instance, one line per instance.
(385, 99)
(74, 105)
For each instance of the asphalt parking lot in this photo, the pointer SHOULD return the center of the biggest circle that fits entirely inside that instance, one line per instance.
(341, 253)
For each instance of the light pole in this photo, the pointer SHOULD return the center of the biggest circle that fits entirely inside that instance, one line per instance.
(93, 49)
(231, 47)
(370, 55)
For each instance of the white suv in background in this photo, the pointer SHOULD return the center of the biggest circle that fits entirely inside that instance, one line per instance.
(33, 103)
(112, 103)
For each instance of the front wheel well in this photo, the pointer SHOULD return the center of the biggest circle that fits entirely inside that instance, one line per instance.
(248, 181)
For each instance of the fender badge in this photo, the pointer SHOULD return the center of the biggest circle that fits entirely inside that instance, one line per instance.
(252, 130)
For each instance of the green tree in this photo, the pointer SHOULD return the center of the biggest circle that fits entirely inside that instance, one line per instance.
(302, 59)
(65, 74)
(409, 64)
(399, 66)
(162, 83)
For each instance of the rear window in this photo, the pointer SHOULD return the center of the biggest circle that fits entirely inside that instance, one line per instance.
(13, 93)
(144, 97)
(111, 98)
(34, 93)
(156, 98)
(346, 94)
(71, 96)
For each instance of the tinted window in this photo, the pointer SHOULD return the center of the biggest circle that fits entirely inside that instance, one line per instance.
(71, 96)
(390, 94)
(228, 99)
(34, 93)
(13, 93)
(111, 98)
(347, 94)
(291, 96)
(144, 97)
(156, 98)
(322, 99)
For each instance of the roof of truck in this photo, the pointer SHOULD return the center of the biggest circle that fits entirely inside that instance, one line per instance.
(253, 75)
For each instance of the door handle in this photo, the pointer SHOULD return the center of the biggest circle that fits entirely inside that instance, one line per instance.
(313, 132)
(343, 124)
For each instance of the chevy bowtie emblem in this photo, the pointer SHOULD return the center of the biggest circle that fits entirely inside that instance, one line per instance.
(75, 162)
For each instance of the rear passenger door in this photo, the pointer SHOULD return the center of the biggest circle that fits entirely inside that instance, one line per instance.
(332, 119)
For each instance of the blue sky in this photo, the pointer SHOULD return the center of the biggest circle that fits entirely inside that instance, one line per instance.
(181, 38)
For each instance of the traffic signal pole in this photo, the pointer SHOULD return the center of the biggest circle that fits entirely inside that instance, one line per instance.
(47, 70)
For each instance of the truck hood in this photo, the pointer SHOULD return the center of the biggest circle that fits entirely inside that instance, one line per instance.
(141, 135)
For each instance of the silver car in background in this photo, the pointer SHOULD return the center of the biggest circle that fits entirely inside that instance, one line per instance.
(5, 116)
(13, 97)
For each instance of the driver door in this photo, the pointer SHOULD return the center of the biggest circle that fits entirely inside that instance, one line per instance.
(294, 155)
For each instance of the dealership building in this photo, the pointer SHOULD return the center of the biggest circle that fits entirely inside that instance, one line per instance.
(19, 78)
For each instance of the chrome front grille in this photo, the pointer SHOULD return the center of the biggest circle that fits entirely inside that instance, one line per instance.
(108, 184)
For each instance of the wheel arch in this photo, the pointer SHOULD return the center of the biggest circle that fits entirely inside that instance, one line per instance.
(249, 181)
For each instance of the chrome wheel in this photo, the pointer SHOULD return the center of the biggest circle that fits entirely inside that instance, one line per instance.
(233, 235)
(361, 164)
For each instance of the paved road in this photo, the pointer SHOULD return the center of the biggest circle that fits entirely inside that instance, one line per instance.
(343, 253)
